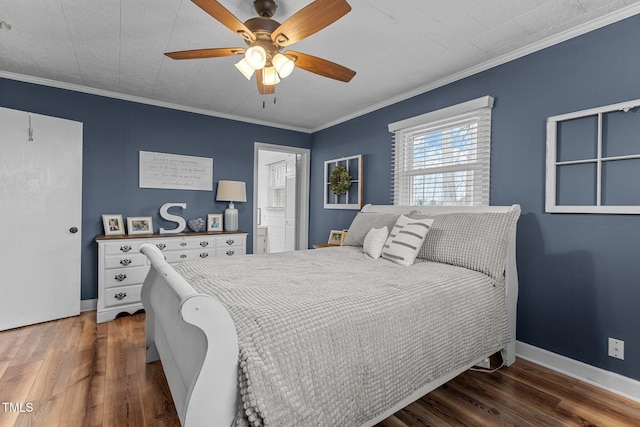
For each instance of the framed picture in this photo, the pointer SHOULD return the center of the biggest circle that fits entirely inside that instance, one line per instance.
(113, 224)
(139, 225)
(336, 237)
(214, 222)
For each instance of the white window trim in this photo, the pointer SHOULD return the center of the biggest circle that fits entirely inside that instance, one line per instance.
(445, 115)
(551, 205)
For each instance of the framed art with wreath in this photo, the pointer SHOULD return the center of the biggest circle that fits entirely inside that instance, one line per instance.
(343, 183)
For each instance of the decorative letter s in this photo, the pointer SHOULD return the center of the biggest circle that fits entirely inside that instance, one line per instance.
(175, 218)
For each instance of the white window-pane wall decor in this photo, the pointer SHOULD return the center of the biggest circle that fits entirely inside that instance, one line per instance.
(593, 160)
(443, 157)
(352, 197)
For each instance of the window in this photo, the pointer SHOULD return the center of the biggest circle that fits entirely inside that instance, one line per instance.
(277, 184)
(593, 160)
(443, 157)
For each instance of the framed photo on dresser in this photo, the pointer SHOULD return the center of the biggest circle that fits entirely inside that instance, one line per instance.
(214, 222)
(139, 225)
(113, 224)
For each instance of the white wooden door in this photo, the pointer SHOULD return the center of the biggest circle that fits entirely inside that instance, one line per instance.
(40, 210)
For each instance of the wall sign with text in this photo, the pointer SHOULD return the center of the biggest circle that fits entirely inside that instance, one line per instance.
(176, 172)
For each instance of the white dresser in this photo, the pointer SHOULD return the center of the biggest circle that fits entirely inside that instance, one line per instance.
(122, 268)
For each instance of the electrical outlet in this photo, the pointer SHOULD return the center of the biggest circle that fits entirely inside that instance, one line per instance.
(616, 348)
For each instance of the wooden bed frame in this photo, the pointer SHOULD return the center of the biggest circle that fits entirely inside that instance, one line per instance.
(195, 338)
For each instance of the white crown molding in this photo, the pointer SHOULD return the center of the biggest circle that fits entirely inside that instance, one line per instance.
(141, 100)
(613, 17)
(607, 380)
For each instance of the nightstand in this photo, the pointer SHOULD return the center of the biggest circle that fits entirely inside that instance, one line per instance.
(324, 245)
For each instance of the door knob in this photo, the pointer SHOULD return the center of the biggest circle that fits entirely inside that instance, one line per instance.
(73, 230)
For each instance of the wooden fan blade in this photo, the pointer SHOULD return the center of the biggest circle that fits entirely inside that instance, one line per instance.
(262, 88)
(309, 20)
(205, 53)
(321, 66)
(226, 18)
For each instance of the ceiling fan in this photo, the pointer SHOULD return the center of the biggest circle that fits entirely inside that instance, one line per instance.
(266, 39)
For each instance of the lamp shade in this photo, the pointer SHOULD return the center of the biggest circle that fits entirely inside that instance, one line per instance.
(244, 67)
(256, 57)
(231, 191)
(283, 65)
(270, 76)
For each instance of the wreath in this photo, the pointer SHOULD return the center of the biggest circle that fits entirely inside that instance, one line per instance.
(340, 180)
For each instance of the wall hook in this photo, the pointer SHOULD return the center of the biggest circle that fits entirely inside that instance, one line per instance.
(30, 130)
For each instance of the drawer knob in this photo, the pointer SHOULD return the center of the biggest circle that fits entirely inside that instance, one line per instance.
(125, 262)
(120, 296)
(183, 243)
(204, 243)
(183, 256)
(230, 242)
(125, 248)
(230, 252)
(161, 246)
(204, 254)
(120, 277)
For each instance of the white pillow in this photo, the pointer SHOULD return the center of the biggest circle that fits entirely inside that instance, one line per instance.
(374, 241)
(405, 240)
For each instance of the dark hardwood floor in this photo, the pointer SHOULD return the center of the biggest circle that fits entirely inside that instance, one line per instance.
(74, 372)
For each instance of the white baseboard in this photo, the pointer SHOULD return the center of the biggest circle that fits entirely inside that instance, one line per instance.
(615, 383)
(88, 304)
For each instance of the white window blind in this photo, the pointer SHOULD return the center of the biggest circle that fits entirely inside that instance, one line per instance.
(277, 184)
(443, 157)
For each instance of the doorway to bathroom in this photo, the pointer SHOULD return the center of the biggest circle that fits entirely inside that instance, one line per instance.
(281, 198)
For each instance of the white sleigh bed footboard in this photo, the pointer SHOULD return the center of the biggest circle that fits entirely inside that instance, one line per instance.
(195, 338)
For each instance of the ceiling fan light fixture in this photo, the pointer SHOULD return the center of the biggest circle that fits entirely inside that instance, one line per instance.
(283, 65)
(244, 67)
(256, 57)
(270, 76)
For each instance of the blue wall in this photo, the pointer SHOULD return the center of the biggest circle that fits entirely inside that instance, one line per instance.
(115, 131)
(579, 274)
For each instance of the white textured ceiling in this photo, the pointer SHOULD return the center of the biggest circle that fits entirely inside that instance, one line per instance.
(397, 48)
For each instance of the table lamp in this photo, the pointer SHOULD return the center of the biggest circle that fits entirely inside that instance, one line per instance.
(231, 191)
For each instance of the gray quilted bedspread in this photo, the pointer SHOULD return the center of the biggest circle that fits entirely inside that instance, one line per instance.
(330, 337)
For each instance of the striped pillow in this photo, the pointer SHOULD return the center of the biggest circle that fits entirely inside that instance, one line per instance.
(405, 240)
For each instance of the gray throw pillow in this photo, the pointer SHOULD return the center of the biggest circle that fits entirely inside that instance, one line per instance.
(365, 221)
(477, 241)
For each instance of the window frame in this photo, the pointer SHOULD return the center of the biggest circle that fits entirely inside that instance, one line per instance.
(273, 188)
(478, 110)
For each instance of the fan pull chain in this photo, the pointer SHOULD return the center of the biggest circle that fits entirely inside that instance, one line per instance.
(264, 103)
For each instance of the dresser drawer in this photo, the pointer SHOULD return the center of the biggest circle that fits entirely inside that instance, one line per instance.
(125, 260)
(227, 242)
(180, 256)
(122, 295)
(180, 244)
(125, 276)
(227, 252)
(121, 248)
